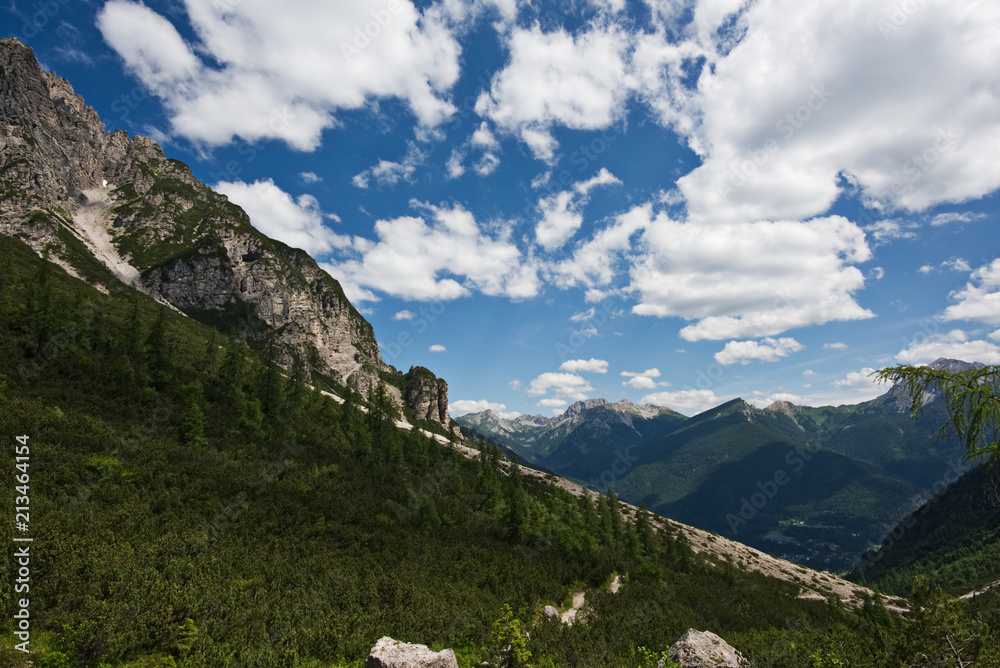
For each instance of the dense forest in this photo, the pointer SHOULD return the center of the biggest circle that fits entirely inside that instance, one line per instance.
(192, 503)
(953, 540)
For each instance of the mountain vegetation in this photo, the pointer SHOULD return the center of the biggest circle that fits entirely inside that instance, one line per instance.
(216, 470)
(817, 486)
(953, 539)
(194, 505)
(109, 208)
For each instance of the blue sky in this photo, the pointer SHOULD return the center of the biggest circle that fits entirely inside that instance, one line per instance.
(669, 201)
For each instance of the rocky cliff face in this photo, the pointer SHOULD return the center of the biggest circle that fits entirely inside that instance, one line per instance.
(75, 192)
(426, 395)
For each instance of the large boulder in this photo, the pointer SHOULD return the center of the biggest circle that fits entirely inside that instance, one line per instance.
(704, 649)
(389, 653)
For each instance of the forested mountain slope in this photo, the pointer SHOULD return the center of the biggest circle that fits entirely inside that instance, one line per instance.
(191, 504)
(953, 539)
(111, 208)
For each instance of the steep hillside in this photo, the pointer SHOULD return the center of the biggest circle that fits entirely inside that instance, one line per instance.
(953, 539)
(107, 207)
(725, 472)
(193, 506)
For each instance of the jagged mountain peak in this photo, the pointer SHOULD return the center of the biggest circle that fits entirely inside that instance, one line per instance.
(641, 410)
(786, 407)
(953, 365)
(581, 406)
(898, 398)
(108, 208)
(531, 420)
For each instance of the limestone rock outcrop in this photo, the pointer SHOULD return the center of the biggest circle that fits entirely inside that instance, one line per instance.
(426, 394)
(172, 236)
(389, 653)
(704, 649)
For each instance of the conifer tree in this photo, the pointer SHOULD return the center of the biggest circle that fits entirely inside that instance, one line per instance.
(973, 405)
(509, 641)
(970, 397)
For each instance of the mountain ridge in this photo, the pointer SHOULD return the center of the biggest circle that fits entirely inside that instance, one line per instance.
(838, 477)
(71, 189)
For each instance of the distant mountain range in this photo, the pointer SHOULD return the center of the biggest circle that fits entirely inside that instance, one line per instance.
(814, 485)
(586, 439)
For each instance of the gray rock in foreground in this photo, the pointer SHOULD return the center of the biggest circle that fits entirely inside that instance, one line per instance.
(389, 653)
(704, 649)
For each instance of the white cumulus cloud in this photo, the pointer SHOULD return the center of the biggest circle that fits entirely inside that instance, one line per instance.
(562, 213)
(388, 172)
(953, 345)
(979, 300)
(750, 279)
(592, 365)
(442, 255)
(567, 386)
(552, 403)
(884, 231)
(556, 78)
(793, 112)
(296, 222)
(860, 380)
(642, 380)
(953, 217)
(767, 350)
(688, 402)
(256, 73)
(466, 406)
